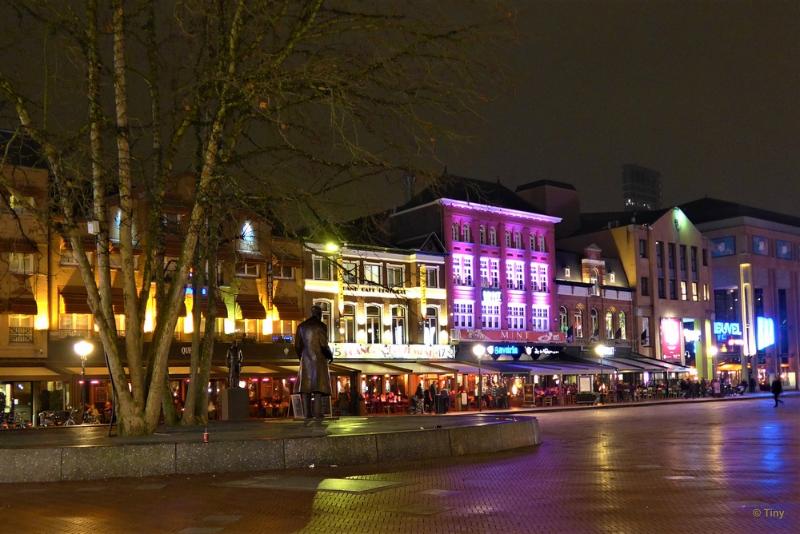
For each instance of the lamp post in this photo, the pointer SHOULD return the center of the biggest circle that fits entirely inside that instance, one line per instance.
(602, 351)
(83, 349)
(479, 350)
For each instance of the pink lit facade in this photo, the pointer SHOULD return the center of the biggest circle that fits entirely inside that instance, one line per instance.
(500, 270)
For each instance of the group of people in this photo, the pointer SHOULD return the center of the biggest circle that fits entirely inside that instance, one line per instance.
(275, 406)
(91, 415)
(431, 400)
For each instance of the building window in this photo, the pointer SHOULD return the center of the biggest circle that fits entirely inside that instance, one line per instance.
(395, 276)
(482, 234)
(662, 294)
(539, 277)
(463, 314)
(373, 325)
(542, 247)
(517, 240)
(695, 294)
(508, 239)
(578, 318)
(671, 256)
(322, 268)
(609, 325)
(348, 327)
(563, 324)
(398, 325)
(644, 332)
(466, 233)
(67, 257)
(705, 258)
(350, 272)
(20, 328)
(247, 269)
(644, 286)
(682, 260)
(595, 323)
(431, 333)
(705, 292)
(76, 324)
(532, 239)
(622, 329)
(611, 278)
(693, 261)
(326, 307)
(642, 248)
(595, 281)
(20, 263)
(116, 222)
(540, 319)
(516, 317)
(660, 254)
(492, 236)
(462, 270)
(372, 273)
(283, 272)
(515, 275)
(490, 273)
(454, 233)
(566, 272)
(432, 276)
(247, 241)
(684, 290)
(490, 316)
(673, 290)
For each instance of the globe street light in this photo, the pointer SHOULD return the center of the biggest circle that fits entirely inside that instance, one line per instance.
(479, 350)
(83, 349)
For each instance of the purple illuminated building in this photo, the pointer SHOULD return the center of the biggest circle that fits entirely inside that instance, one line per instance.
(500, 263)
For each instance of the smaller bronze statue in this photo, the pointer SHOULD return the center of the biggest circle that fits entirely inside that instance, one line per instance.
(234, 358)
(313, 380)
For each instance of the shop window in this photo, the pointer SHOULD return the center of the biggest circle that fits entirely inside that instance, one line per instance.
(373, 325)
(348, 328)
(609, 325)
(431, 326)
(398, 325)
(322, 268)
(622, 329)
(463, 314)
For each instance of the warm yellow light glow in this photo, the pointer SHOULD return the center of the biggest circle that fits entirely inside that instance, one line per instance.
(266, 325)
(361, 336)
(387, 337)
(444, 339)
(188, 322)
(229, 326)
(443, 319)
(331, 247)
(83, 348)
(41, 322)
(148, 319)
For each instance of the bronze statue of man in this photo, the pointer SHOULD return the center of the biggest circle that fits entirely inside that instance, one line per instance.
(235, 358)
(313, 380)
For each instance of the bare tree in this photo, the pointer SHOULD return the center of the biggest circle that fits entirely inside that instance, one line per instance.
(292, 107)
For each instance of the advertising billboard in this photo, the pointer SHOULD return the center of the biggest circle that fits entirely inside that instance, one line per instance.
(671, 330)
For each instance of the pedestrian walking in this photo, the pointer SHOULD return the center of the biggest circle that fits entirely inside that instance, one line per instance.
(777, 389)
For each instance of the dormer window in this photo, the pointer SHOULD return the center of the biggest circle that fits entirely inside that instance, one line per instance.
(247, 240)
(611, 278)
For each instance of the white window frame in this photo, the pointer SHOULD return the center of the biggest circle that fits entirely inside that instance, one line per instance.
(402, 339)
(490, 315)
(348, 323)
(517, 240)
(466, 233)
(516, 316)
(622, 325)
(371, 327)
(463, 313)
(609, 320)
(482, 234)
(248, 241)
(578, 318)
(319, 265)
(462, 270)
(327, 314)
(350, 271)
(280, 274)
(540, 318)
(395, 268)
(431, 326)
(455, 231)
(247, 269)
(21, 262)
(492, 236)
(515, 274)
(369, 270)
(432, 273)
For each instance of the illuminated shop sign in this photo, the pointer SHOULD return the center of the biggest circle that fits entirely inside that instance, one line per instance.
(727, 329)
(400, 352)
(765, 332)
(671, 330)
(503, 350)
(508, 336)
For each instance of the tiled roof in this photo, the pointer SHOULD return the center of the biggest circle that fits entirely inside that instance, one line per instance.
(713, 209)
(469, 190)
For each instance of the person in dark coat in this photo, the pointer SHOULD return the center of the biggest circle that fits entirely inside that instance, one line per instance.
(311, 346)
(777, 389)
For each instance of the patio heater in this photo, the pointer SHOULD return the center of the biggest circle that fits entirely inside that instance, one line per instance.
(83, 349)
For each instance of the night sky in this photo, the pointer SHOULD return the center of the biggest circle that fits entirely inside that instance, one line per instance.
(705, 92)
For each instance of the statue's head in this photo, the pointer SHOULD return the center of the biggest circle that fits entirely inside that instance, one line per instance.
(316, 311)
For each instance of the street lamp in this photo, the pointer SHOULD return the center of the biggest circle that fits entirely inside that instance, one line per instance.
(602, 351)
(83, 349)
(479, 350)
(713, 351)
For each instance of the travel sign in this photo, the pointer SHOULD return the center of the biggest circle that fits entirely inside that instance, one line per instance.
(727, 329)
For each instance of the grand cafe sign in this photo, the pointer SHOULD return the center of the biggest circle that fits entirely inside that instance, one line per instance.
(399, 352)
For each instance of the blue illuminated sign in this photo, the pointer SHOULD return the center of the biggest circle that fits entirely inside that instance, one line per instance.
(765, 332)
(503, 350)
(727, 329)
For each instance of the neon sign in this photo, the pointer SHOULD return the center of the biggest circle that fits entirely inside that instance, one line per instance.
(765, 332)
(727, 329)
(671, 330)
(503, 350)
(490, 296)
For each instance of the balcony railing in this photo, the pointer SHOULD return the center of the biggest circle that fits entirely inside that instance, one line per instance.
(20, 334)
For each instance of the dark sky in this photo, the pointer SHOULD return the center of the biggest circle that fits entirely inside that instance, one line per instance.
(705, 92)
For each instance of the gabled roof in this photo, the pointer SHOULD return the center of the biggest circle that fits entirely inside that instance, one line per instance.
(539, 183)
(713, 209)
(469, 190)
(572, 260)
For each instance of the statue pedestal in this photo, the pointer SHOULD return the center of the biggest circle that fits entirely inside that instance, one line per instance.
(234, 405)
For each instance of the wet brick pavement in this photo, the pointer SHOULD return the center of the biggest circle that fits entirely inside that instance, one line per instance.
(705, 468)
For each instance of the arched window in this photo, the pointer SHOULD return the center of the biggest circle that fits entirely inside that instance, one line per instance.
(609, 325)
(398, 325)
(482, 234)
(622, 329)
(578, 324)
(373, 324)
(466, 233)
(327, 318)
(562, 319)
(492, 236)
(595, 323)
(348, 328)
(431, 325)
(455, 232)
(595, 280)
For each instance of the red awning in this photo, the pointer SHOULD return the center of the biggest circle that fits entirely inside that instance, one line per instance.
(221, 309)
(251, 306)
